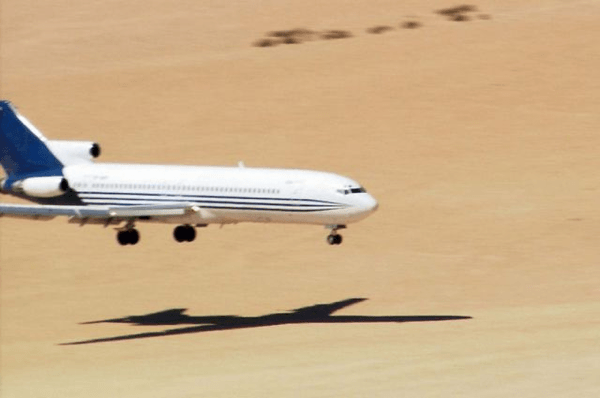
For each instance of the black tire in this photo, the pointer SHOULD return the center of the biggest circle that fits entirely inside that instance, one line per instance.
(134, 236)
(123, 238)
(190, 233)
(128, 237)
(331, 239)
(180, 233)
(338, 239)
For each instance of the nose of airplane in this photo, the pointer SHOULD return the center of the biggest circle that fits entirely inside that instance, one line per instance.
(371, 204)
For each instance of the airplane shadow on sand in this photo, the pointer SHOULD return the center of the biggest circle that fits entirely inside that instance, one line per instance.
(320, 313)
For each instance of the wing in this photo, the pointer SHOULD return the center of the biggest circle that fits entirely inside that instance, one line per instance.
(98, 214)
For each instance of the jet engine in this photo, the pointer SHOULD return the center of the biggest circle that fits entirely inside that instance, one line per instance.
(74, 152)
(41, 187)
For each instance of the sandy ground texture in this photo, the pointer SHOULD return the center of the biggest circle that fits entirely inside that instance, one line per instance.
(478, 137)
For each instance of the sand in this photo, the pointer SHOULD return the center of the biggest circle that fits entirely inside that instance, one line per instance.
(479, 138)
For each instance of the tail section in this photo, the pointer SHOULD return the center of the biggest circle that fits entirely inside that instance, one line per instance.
(24, 151)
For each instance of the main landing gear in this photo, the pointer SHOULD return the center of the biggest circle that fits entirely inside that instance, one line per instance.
(334, 238)
(128, 236)
(184, 233)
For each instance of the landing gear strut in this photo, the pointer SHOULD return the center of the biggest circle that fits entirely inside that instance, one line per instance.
(334, 238)
(184, 233)
(128, 236)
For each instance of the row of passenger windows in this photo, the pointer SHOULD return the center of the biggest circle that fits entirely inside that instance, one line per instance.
(180, 188)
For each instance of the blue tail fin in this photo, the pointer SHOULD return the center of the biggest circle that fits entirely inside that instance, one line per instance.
(23, 150)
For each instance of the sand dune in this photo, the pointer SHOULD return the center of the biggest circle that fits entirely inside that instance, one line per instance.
(478, 138)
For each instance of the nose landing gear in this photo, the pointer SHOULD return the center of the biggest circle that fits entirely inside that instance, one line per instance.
(334, 238)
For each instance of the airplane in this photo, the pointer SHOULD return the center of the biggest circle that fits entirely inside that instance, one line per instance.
(63, 179)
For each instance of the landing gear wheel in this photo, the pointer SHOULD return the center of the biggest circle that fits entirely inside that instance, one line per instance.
(191, 233)
(134, 236)
(179, 233)
(184, 233)
(334, 239)
(123, 238)
(128, 237)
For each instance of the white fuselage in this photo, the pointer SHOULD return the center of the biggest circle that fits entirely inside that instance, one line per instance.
(62, 178)
(225, 194)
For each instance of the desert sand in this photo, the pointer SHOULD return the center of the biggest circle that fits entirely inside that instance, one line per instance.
(478, 137)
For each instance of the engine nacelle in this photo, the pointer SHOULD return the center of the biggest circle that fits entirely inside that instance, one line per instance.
(74, 152)
(41, 187)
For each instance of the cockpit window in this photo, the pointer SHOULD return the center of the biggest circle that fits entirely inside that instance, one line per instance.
(358, 190)
(348, 191)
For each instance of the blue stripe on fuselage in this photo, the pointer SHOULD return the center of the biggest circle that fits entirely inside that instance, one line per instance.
(210, 202)
(115, 194)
